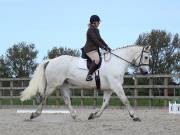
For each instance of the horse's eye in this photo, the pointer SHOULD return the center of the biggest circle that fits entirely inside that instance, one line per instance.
(146, 57)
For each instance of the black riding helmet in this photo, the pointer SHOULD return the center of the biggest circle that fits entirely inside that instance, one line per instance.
(94, 18)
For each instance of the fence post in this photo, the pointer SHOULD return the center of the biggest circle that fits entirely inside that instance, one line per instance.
(0, 92)
(95, 98)
(34, 102)
(165, 90)
(82, 97)
(150, 91)
(57, 96)
(135, 91)
(11, 92)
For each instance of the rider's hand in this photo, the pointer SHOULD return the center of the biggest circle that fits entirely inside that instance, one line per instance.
(108, 49)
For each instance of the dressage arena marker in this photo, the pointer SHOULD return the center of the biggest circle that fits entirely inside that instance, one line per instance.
(174, 107)
(43, 111)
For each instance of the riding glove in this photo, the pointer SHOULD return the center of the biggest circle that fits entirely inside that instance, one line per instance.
(107, 48)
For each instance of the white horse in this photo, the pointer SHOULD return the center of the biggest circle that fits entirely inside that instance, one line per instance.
(64, 72)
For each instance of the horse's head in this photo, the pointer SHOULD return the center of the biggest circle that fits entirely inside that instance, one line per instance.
(142, 61)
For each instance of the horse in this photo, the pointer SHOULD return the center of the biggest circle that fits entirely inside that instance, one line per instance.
(63, 72)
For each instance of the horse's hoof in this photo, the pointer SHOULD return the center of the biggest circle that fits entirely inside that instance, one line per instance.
(137, 119)
(32, 116)
(91, 116)
(74, 117)
(27, 120)
(78, 119)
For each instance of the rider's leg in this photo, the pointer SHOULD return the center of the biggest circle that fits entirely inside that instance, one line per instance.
(92, 69)
(94, 56)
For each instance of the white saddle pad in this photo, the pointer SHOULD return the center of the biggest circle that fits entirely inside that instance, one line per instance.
(82, 63)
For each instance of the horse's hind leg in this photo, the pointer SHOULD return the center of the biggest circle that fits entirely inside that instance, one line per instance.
(39, 109)
(42, 101)
(106, 98)
(67, 100)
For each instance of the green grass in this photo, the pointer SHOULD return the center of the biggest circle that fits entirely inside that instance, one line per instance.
(158, 102)
(51, 101)
(88, 102)
(115, 102)
(5, 101)
(143, 102)
(28, 102)
(76, 102)
(17, 102)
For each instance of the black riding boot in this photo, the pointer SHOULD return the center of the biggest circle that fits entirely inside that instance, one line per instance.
(92, 69)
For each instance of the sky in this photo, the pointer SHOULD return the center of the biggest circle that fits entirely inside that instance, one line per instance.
(63, 23)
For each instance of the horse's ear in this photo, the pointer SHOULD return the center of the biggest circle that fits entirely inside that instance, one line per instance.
(147, 48)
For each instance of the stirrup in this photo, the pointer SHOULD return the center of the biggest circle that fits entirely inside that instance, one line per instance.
(89, 78)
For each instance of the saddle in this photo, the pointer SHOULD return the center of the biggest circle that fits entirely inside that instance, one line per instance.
(88, 63)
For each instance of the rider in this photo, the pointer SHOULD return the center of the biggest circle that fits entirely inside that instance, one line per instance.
(94, 41)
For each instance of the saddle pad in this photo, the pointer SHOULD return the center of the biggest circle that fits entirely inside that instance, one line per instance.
(82, 63)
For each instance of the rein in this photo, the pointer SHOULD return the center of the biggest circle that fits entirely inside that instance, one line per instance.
(141, 55)
(124, 59)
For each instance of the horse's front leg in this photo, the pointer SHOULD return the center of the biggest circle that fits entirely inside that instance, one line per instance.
(118, 89)
(67, 100)
(106, 98)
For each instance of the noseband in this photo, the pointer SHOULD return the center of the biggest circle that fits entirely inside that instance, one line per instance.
(140, 61)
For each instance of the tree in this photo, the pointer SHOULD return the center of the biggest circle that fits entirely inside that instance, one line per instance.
(55, 52)
(164, 50)
(4, 70)
(21, 59)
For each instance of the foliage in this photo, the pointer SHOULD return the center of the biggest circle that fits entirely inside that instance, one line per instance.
(164, 50)
(55, 52)
(21, 59)
(4, 70)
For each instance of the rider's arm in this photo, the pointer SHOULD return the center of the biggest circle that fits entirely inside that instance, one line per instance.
(104, 42)
(91, 33)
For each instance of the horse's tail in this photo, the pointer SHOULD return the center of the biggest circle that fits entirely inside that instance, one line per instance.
(36, 84)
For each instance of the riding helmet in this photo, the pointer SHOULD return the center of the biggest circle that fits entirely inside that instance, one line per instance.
(94, 18)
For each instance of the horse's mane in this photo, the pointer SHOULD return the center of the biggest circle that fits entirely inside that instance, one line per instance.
(125, 47)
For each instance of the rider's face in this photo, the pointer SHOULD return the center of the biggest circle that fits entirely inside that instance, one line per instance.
(96, 24)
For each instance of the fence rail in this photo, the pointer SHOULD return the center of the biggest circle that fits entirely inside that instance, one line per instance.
(149, 87)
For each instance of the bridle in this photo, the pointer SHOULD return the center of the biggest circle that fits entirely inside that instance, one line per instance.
(134, 63)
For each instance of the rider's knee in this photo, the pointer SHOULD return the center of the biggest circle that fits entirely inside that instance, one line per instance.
(97, 61)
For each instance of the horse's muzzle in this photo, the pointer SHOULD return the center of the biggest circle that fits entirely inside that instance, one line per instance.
(143, 72)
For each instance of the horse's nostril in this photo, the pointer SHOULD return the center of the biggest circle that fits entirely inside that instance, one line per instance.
(145, 73)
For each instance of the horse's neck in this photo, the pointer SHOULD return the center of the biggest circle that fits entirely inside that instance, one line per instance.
(128, 53)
